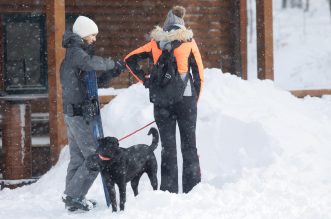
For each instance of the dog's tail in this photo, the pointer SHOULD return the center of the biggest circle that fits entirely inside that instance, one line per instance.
(155, 140)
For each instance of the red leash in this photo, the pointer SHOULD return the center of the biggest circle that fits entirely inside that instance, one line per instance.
(136, 131)
(145, 125)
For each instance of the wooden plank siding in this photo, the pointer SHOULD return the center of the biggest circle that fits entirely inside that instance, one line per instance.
(125, 25)
(216, 26)
(22, 6)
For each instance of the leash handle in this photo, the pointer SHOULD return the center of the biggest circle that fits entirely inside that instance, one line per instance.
(136, 131)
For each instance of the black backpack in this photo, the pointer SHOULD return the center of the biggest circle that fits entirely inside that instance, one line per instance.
(166, 87)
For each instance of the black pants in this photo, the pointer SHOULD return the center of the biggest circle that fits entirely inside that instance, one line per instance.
(185, 113)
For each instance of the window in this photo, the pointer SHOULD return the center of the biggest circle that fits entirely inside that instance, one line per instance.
(70, 20)
(25, 55)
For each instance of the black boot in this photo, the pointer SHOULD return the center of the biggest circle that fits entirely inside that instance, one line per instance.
(75, 204)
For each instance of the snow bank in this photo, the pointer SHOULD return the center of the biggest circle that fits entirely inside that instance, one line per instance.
(263, 152)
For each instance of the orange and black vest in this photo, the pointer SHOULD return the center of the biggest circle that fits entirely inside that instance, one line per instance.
(187, 56)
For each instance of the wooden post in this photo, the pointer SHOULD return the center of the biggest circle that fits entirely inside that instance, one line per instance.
(265, 69)
(17, 140)
(55, 11)
(312, 93)
(243, 38)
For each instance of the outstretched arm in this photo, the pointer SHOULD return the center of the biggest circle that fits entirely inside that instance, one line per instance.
(133, 58)
(86, 62)
(107, 76)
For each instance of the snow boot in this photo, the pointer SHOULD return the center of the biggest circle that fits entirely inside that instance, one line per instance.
(92, 201)
(78, 204)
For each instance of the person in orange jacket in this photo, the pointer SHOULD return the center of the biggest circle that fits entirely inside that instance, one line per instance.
(174, 36)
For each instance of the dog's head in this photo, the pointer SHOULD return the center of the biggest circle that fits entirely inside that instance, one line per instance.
(108, 147)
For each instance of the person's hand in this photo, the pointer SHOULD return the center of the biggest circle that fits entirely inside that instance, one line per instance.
(119, 65)
(118, 68)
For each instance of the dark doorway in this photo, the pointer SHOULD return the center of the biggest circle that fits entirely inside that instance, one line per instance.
(25, 61)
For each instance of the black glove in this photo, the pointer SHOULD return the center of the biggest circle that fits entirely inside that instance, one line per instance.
(118, 68)
(119, 65)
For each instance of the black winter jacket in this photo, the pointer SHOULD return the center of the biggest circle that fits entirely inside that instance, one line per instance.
(75, 62)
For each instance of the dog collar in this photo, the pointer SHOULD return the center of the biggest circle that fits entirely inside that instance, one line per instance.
(103, 158)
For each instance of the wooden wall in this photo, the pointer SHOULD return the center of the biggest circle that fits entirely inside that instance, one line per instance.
(125, 24)
(216, 25)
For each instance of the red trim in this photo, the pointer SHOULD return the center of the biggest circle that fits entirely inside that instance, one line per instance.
(103, 158)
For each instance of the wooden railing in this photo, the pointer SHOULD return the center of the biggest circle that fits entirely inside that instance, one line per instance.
(313, 93)
(105, 99)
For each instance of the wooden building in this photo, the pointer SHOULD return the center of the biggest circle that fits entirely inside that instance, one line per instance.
(31, 54)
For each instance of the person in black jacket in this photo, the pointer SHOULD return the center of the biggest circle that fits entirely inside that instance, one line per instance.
(168, 111)
(79, 59)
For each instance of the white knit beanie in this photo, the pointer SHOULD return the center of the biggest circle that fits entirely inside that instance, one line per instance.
(84, 27)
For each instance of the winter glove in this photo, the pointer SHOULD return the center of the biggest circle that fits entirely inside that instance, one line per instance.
(118, 69)
(106, 77)
(120, 65)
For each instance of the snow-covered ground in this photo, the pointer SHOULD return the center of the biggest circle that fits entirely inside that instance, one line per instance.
(264, 153)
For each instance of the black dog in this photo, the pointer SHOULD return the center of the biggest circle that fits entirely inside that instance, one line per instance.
(121, 165)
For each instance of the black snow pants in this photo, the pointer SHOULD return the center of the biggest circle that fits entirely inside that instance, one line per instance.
(185, 114)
